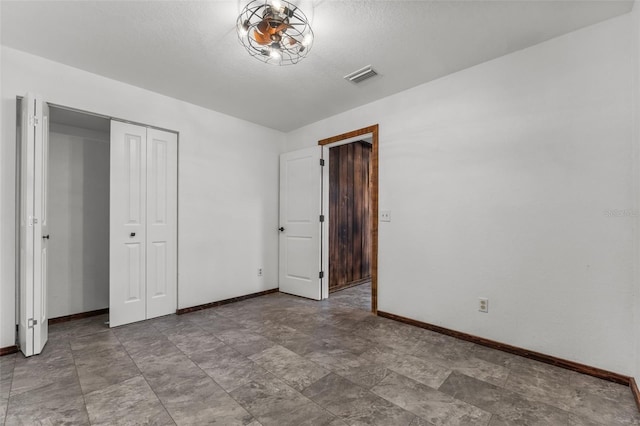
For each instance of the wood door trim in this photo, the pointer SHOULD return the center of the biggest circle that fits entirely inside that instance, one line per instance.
(373, 179)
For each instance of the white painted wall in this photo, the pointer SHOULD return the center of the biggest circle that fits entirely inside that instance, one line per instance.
(78, 277)
(227, 181)
(499, 179)
(635, 17)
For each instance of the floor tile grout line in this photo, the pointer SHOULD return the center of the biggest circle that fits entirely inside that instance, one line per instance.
(145, 379)
(214, 381)
(220, 386)
(269, 372)
(418, 415)
(408, 353)
(84, 401)
(100, 351)
(337, 321)
(355, 384)
(383, 398)
(498, 364)
(504, 390)
(6, 411)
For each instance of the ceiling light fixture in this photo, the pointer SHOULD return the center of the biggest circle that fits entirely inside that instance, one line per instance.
(275, 31)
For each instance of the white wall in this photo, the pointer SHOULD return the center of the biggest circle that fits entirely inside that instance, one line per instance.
(635, 17)
(499, 179)
(78, 279)
(227, 181)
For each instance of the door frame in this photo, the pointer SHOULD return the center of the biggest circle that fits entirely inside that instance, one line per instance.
(344, 138)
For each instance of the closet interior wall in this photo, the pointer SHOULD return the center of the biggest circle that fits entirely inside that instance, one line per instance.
(78, 277)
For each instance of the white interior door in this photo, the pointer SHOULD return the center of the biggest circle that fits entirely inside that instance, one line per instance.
(27, 165)
(127, 231)
(41, 235)
(162, 209)
(300, 208)
(32, 322)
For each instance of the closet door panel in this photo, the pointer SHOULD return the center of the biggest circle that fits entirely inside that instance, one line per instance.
(41, 234)
(127, 234)
(27, 212)
(162, 193)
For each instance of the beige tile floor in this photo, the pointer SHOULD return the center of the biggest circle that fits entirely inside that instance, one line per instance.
(283, 360)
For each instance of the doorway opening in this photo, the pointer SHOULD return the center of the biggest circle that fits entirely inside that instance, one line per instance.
(350, 241)
(349, 210)
(97, 218)
(76, 167)
(78, 273)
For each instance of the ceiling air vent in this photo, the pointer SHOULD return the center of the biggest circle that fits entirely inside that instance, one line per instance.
(361, 75)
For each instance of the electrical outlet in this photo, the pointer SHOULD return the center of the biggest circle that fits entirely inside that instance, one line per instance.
(483, 305)
(385, 216)
(259, 272)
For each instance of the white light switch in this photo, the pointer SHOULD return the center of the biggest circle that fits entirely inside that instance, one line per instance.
(385, 216)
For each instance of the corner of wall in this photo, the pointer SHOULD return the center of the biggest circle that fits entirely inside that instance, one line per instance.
(635, 14)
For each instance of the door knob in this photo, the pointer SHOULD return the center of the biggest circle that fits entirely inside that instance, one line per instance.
(133, 234)
(281, 229)
(45, 237)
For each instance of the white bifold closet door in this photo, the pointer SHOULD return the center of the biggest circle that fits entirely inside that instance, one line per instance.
(34, 222)
(143, 223)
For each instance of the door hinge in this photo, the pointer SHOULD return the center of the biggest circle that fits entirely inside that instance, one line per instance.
(322, 162)
(33, 220)
(321, 274)
(33, 121)
(321, 218)
(31, 323)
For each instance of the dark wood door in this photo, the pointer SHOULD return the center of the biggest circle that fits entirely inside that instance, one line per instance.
(349, 213)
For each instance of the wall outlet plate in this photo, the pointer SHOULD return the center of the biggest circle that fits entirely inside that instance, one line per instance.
(385, 215)
(483, 305)
(259, 272)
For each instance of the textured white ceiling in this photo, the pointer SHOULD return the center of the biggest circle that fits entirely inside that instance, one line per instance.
(189, 49)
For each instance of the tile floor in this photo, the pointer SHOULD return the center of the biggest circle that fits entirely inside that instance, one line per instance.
(283, 360)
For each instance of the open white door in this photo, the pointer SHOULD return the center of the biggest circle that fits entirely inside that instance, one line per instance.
(27, 165)
(127, 231)
(162, 210)
(300, 209)
(33, 322)
(41, 235)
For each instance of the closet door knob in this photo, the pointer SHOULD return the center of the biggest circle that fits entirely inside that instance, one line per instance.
(133, 234)
(281, 229)
(45, 237)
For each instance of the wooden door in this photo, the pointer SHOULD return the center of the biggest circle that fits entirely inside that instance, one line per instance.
(349, 215)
